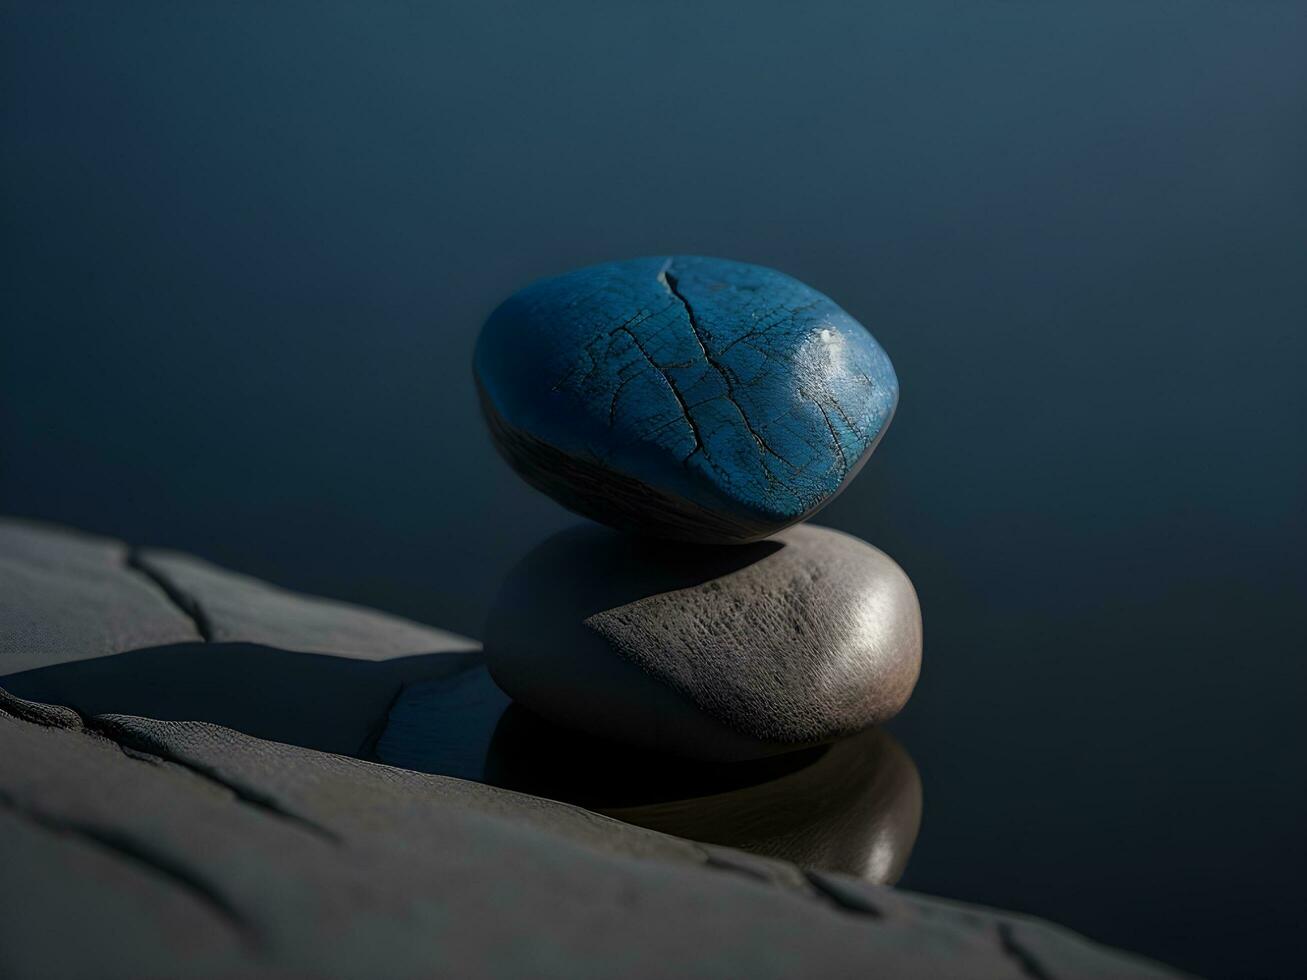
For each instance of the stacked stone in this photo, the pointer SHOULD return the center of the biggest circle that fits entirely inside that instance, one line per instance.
(703, 409)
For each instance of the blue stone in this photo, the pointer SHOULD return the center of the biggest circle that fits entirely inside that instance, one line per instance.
(685, 397)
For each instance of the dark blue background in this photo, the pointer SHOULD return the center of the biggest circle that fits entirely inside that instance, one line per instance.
(247, 248)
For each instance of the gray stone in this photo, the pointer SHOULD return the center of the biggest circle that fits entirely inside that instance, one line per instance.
(720, 653)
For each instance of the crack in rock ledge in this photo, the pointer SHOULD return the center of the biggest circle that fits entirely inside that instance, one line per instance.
(113, 728)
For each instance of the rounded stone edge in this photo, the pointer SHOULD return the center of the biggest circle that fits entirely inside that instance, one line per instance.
(626, 503)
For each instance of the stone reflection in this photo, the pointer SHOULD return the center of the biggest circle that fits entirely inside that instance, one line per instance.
(853, 807)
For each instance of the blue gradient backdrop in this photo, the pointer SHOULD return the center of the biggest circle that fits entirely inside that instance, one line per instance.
(247, 247)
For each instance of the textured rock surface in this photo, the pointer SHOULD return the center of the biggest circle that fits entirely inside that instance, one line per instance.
(231, 607)
(713, 652)
(66, 597)
(87, 622)
(138, 848)
(688, 397)
(142, 848)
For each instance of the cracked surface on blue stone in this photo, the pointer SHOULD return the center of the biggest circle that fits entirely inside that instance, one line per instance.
(738, 398)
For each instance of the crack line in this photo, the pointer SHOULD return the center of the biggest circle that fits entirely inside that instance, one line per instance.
(114, 732)
(134, 745)
(845, 416)
(184, 602)
(617, 393)
(1029, 965)
(671, 384)
(845, 898)
(839, 448)
(670, 281)
(142, 855)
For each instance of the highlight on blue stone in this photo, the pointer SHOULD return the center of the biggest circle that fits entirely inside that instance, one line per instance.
(686, 397)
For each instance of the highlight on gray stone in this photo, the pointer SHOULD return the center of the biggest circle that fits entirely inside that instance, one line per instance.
(682, 396)
(724, 653)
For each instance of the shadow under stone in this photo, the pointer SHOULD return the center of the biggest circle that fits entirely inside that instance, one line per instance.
(328, 703)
